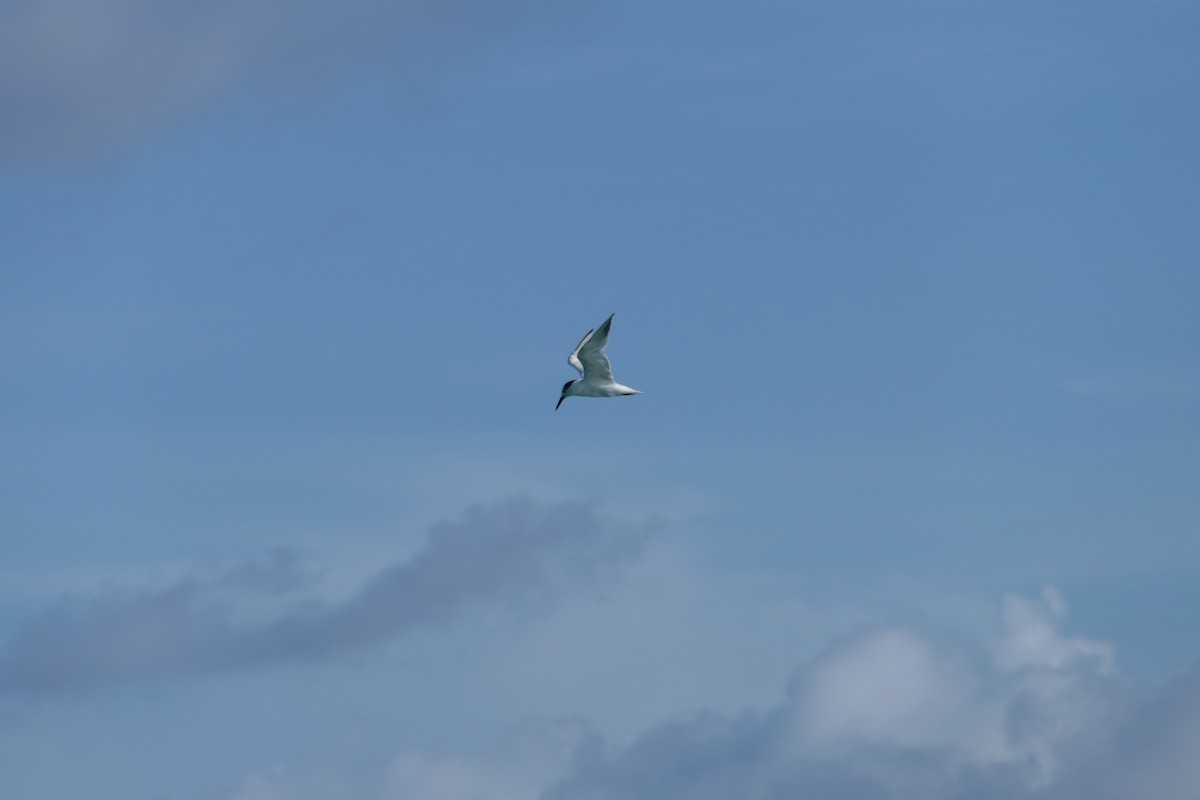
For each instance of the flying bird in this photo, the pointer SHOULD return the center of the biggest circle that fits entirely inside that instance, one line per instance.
(595, 373)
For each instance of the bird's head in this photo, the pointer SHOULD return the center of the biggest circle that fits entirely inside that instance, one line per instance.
(562, 397)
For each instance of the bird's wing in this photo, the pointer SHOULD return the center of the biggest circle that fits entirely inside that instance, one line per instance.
(573, 359)
(590, 354)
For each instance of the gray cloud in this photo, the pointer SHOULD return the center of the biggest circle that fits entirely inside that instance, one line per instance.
(511, 552)
(894, 714)
(84, 77)
(1154, 753)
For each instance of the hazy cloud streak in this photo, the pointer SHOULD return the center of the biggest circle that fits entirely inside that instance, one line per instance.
(510, 552)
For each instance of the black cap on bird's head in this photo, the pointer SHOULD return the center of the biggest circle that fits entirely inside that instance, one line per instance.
(566, 386)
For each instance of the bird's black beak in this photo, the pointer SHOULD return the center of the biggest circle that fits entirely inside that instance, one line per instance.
(559, 403)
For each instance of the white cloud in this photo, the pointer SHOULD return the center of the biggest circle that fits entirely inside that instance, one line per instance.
(899, 688)
(1031, 640)
(893, 688)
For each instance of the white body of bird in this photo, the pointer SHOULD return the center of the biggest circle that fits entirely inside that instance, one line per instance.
(595, 371)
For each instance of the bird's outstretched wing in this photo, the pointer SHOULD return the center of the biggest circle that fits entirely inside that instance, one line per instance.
(573, 359)
(589, 357)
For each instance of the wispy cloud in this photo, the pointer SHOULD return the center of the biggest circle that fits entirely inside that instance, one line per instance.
(511, 552)
(80, 78)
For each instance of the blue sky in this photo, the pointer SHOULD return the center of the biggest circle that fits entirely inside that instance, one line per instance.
(908, 508)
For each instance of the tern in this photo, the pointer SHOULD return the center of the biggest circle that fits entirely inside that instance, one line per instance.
(595, 373)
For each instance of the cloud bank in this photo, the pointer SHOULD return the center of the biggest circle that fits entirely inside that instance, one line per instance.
(1022, 712)
(900, 714)
(509, 553)
(80, 78)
